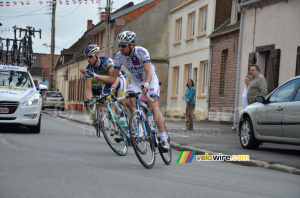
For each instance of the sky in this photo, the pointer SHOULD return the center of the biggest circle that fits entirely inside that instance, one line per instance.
(71, 20)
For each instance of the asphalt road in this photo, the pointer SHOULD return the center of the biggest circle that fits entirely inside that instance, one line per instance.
(67, 160)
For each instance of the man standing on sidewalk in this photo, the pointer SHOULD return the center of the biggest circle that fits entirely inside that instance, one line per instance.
(258, 86)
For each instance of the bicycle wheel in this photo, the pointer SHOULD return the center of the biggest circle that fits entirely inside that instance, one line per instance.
(166, 155)
(143, 147)
(97, 122)
(110, 130)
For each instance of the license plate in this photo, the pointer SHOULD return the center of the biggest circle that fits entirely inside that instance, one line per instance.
(4, 110)
(54, 100)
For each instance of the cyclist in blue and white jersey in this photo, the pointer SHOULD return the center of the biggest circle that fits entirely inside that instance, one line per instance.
(126, 77)
(137, 60)
(104, 66)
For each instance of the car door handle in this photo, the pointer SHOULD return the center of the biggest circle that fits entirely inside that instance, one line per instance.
(279, 108)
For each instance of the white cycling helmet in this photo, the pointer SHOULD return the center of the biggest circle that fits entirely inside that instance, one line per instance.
(126, 37)
(91, 49)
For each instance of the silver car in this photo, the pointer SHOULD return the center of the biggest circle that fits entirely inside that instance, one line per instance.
(54, 99)
(275, 118)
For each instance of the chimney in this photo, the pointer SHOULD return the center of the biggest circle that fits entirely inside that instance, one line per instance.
(102, 16)
(89, 24)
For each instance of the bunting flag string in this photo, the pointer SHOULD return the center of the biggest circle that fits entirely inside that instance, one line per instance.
(9, 3)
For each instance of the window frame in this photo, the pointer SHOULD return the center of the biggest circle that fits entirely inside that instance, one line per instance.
(178, 31)
(203, 64)
(175, 82)
(200, 21)
(191, 26)
(188, 68)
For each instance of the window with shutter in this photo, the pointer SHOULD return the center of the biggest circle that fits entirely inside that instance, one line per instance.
(251, 60)
(273, 72)
(298, 62)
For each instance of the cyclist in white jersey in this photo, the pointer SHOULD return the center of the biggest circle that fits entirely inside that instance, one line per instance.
(137, 60)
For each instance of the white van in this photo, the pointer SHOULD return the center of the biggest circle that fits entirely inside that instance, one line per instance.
(20, 102)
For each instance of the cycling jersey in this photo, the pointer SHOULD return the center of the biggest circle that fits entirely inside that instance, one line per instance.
(104, 66)
(124, 74)
(103, 69)
(135, 65)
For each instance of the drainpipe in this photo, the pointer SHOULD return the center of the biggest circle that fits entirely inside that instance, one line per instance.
(237, 86)
(209, 87)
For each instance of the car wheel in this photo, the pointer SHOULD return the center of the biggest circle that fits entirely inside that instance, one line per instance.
(37, 128)
(246, 132)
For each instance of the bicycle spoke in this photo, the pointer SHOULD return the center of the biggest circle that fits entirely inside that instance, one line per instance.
(110, 132)
(142, 141)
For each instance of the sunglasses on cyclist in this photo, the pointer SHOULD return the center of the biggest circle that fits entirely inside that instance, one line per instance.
(91, 56)
(123, 46)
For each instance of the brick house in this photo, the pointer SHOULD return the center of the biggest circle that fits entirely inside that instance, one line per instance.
(224, 47)
(40, 68)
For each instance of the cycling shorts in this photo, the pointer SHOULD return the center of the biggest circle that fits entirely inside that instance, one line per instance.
(121, 89)
(136, 86)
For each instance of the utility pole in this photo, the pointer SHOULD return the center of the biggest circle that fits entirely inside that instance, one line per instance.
(107, 22)
(51, 69)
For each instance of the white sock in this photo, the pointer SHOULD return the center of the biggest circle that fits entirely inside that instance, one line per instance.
(163, 136)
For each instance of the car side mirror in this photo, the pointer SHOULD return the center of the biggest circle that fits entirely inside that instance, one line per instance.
(260, 99)
(43, 87)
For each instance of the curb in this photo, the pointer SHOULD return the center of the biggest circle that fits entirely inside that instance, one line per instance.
(198, 151)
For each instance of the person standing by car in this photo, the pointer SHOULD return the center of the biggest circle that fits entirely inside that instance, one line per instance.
(189, 97)
(258, 86)
(43, 93)
(247, 80)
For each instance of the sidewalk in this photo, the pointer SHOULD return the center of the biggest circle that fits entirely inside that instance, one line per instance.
(207, 136)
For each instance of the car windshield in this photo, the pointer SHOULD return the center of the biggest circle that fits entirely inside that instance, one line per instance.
(54, 94)
(15, 79)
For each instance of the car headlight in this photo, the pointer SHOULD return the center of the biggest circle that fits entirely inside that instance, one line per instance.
(32, 101)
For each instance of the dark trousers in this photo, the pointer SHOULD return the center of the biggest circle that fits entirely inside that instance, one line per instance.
(189, 112)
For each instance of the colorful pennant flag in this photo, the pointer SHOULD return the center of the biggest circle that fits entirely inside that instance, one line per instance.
(41, 2)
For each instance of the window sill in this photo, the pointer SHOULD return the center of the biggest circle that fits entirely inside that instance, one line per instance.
(189, 39)
(222, 96)
(201, 96)
(177, 43)
(201, 35)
